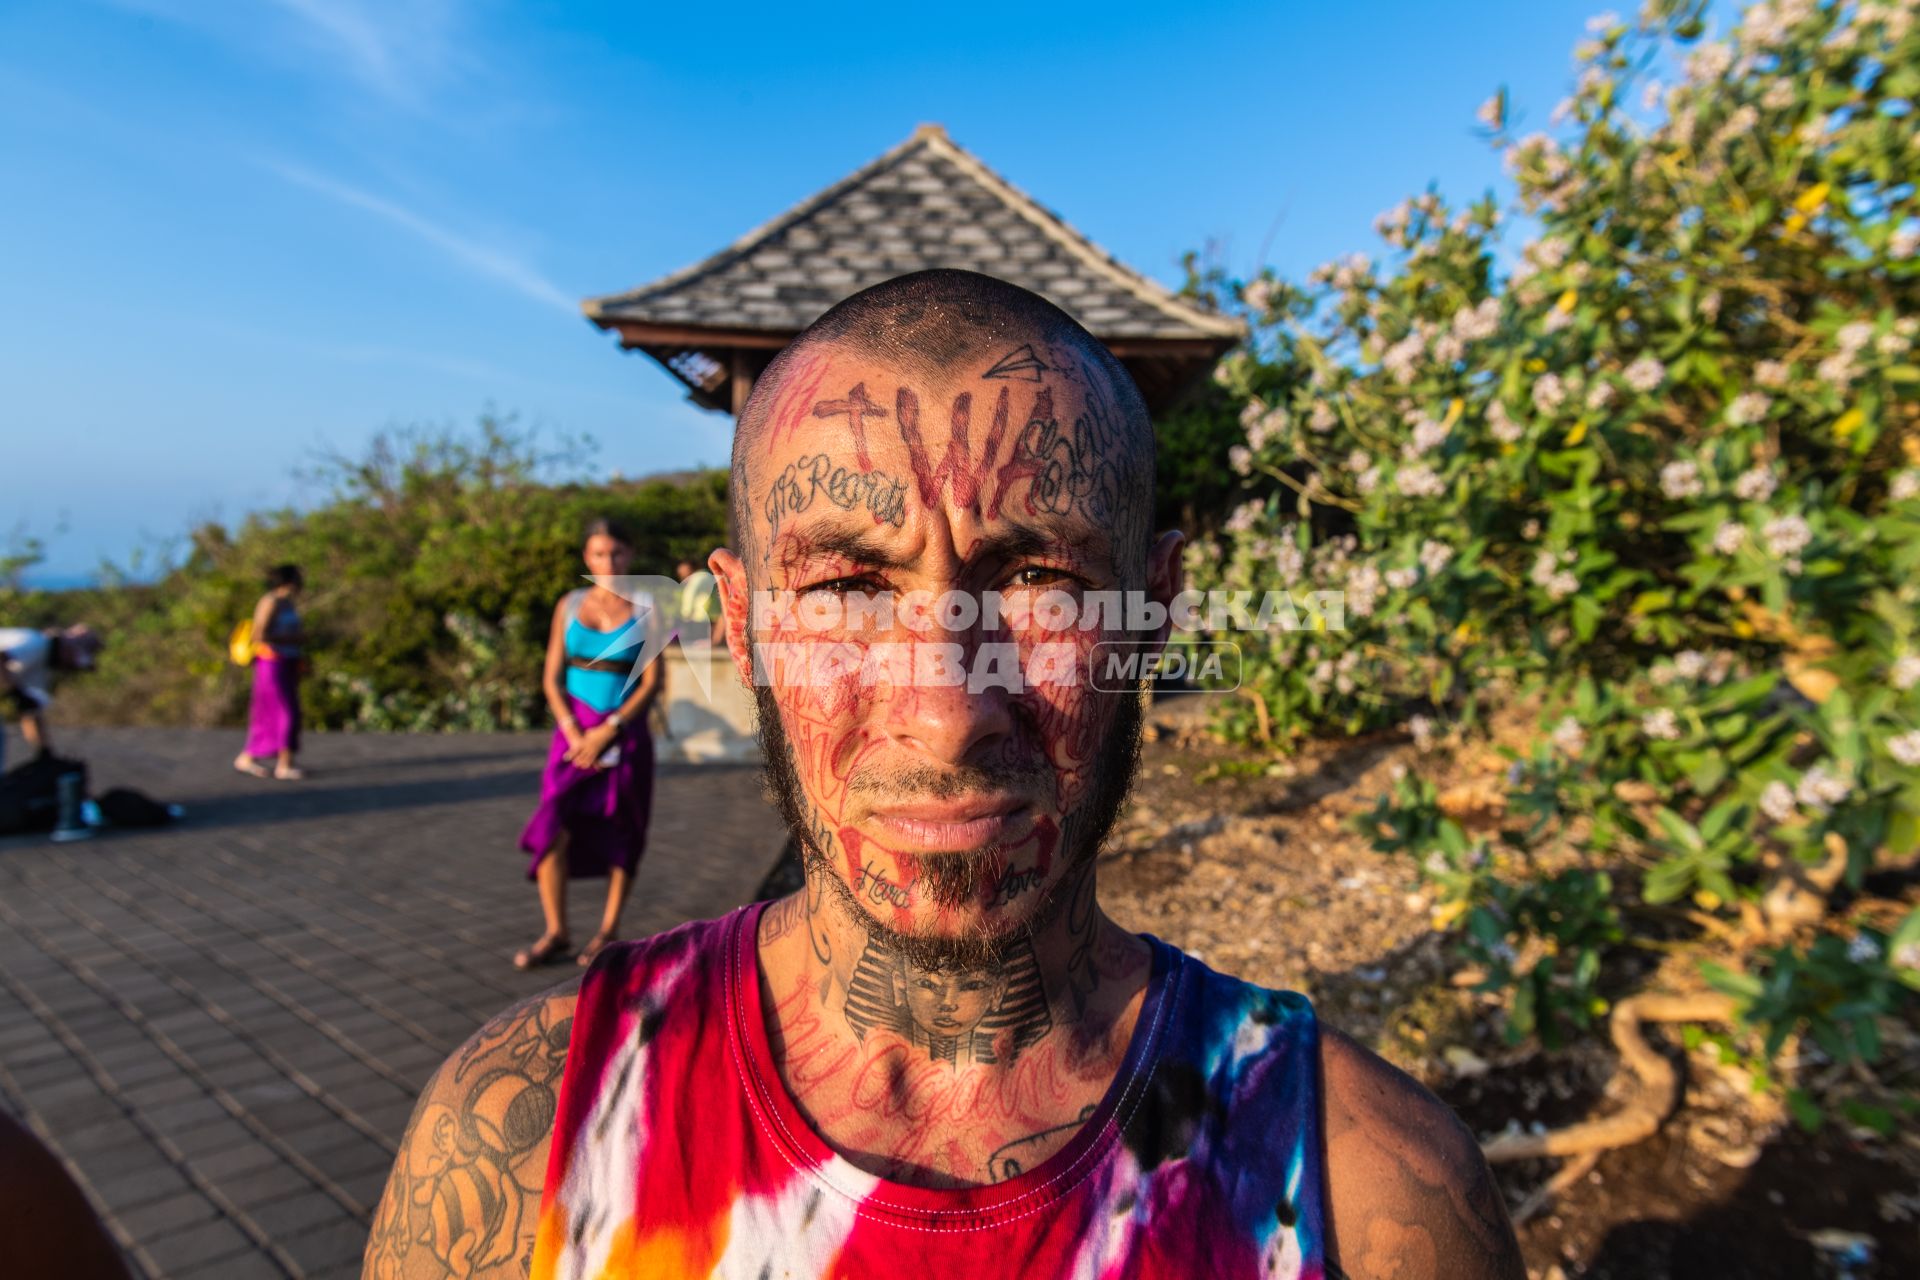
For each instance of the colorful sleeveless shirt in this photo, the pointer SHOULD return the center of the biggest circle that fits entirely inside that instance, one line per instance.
(677, 1151)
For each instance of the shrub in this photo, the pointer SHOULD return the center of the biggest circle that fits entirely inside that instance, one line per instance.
(1661, 479)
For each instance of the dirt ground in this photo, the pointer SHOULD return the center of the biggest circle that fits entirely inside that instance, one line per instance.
(1257, 872)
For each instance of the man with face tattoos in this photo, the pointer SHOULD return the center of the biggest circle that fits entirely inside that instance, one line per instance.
(940, 1058)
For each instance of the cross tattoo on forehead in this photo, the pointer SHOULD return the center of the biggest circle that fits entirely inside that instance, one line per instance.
(858, 409)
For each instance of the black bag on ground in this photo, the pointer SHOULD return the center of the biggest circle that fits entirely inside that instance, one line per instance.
(125, 807)
(30, 793)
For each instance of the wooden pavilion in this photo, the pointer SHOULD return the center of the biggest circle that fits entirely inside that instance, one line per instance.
(927, 203)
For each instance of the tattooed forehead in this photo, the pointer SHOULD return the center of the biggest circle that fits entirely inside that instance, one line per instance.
(1022, 440)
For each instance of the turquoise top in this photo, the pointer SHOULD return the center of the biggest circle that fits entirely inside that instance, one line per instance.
(602, 690)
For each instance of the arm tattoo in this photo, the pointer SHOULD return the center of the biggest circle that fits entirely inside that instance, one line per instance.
(464, 1196)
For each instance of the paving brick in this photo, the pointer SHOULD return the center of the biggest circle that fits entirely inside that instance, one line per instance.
(200, 1243)
(296, 1213)
(150, 1221)
(331, 1245)
(402, 917)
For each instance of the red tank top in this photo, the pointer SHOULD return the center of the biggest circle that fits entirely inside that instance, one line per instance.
(677, 1151)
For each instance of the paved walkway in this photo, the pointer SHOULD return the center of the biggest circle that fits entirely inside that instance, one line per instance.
(221, 1026)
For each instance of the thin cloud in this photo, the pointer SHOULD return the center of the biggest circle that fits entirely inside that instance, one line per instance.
(481, 259)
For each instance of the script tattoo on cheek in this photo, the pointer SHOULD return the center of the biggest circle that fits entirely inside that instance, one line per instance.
(884, 497)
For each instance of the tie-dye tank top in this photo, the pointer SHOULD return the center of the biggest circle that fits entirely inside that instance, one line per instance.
(677, 1151)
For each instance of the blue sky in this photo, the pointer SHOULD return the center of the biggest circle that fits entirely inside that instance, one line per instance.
(235, 231)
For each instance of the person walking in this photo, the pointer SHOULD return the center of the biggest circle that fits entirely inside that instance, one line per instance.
(273, 715)
(596, 793)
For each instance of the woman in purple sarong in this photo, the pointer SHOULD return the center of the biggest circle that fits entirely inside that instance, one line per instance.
(597, 791)
(273, 715)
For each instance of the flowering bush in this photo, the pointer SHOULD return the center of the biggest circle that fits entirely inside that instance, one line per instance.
(1660, 479)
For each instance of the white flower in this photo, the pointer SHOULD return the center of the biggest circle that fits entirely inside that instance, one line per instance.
(1645, 374)
(1428, 434)
(1908, 956)
(1680, 480)
(1906, 748)
(1363, 590)
(1756, 484)
(1904, 242)
(1661, 723)
(1709, 62)
(1359, 460)
(1471, 324)
(1788, 535)
(1549, 392)
(1243, 517)
(1839, 369)
(1402, 579)
(1503, 427)
(1530, 530)
(1240, 458)
(1556, 321)
(1447, 349)
(1601, 23)
(1490, 113)
(1863, 949)
(1323, 419)
(1367, 481)
(1855, 336)
(1288, 562)
(1906, 673)
(1258, 295)
(1434, 557)
(1600, 395)
(1650, 95)
(1777, 802)
(1400, 357)
(1771, 373)
(1556, 582)
(1422, 730)
(1779, 95)
(1550, 252)
(1820, 790)
(1906, 484)
(1420, 481)
(1569, 737)
(1691, 664)
(1892, 344)
(1729, 537)
(1748, 407)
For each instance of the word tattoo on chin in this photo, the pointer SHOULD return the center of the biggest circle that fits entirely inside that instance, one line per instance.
(871, 883)
(884, 497)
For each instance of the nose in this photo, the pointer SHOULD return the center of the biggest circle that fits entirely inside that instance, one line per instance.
(943, 721)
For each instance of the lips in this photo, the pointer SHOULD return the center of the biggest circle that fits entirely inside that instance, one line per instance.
(950, 826)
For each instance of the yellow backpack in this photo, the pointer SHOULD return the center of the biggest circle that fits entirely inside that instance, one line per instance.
(240, 643)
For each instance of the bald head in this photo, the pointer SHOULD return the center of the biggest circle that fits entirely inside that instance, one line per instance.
(950, 338)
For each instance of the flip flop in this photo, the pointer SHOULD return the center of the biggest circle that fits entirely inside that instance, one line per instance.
(548, 950)
(595, 945)
(252, 768)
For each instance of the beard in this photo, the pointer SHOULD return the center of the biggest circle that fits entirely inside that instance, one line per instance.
(957, 878)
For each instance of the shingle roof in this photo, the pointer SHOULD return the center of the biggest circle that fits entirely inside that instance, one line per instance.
(926, 203)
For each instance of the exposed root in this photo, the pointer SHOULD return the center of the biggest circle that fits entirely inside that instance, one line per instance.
(1659, 1091)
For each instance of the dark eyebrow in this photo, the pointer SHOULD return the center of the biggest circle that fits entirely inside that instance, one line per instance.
(858, 545)
(1019, 541)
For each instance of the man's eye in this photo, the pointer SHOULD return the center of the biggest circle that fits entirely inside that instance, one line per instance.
(840, 586)
(1040, 576)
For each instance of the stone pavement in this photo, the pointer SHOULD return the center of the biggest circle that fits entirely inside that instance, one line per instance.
(221, 1026)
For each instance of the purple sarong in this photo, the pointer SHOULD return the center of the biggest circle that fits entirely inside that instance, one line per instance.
(603, 811)
(273, 717)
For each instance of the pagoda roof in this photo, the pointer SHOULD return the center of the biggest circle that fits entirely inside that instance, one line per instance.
(926, 203)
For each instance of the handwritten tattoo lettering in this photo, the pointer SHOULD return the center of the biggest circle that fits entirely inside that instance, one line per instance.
(884, 497)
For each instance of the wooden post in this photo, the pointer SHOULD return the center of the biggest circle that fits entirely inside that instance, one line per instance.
(742, 372)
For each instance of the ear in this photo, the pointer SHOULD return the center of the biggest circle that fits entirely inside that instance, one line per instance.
(736, 601)
(1166, 578)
